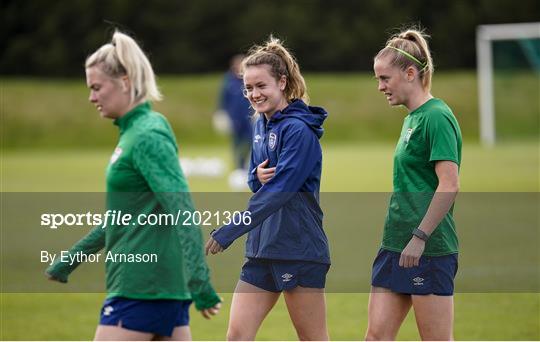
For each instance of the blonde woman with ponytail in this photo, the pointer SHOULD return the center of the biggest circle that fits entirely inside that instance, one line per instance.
(286, 249)
(153, 272)
(417, 262)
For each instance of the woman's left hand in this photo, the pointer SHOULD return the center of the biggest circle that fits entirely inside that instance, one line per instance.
(212, 246)
(208, 313)
(410, 256)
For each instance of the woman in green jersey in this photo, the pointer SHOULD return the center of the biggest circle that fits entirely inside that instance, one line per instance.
(147, 298)
(417, 262)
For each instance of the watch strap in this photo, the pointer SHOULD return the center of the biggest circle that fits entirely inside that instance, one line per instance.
(420, 234)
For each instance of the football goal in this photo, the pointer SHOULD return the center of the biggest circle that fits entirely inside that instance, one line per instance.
(525, 39)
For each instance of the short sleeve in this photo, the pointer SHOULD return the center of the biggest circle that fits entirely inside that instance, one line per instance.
(442, 136)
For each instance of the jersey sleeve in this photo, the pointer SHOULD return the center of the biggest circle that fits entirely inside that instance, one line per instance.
(92, 243)
(253, 181)
(156, 158)
(442, 137)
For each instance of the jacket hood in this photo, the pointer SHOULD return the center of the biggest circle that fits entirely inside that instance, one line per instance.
(312, 116)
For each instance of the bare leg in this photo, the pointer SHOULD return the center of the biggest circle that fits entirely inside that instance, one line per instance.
(434, 317)
(386, 312)
(307, 309)
(117, 333)
(249, 307)
(182, 333)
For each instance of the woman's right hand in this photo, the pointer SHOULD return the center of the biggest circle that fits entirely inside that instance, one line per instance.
(212, 246)
(264, 174)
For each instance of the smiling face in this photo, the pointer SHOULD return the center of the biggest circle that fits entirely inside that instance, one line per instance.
(263, 91)
(392, 81)
(110, 96)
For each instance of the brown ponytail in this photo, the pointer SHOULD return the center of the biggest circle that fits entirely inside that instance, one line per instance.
(282, 63)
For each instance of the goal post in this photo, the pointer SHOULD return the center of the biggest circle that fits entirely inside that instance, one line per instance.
(485, 35)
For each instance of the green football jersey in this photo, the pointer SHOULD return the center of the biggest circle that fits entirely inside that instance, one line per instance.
(429, 134)
(143, 178)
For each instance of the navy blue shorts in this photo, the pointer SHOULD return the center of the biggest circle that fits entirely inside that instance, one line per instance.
(282, 275)
(159, 317)
(434, 275)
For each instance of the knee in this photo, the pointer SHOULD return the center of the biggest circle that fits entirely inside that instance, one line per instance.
(370, 336)
(237, 334)
(378, 335)
(233, 335)
(313, 337)
(312, 334)
(436, 335)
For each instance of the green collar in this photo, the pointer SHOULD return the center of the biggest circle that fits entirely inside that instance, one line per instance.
(423, 105)
(125, 120)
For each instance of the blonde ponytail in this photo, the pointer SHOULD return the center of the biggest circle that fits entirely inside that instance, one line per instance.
(123, 57)
(282, 63)
(410, 48)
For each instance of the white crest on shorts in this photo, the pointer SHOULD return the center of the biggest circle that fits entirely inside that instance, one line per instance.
(272, 140)
(418, 281)
(287, 277)
(116, 154)
(107, 310)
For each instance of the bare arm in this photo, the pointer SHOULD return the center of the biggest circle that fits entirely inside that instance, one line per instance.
(445, 194)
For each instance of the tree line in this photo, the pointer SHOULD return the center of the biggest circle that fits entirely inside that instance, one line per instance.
(52, 38)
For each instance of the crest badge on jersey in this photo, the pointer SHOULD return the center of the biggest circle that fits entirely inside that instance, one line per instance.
(116, 154)
(272, 141)
(408, 135)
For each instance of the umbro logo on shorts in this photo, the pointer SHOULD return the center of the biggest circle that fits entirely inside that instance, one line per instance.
(107, 310)
(287, 277)
(257, 138)
(418, 281)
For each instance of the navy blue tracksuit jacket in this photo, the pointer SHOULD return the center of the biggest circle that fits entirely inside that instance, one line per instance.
(286, 219)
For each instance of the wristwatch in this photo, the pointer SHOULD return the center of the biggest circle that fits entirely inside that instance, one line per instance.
(420, 234)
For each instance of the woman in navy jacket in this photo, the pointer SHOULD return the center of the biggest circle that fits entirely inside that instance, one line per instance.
(286, 249)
